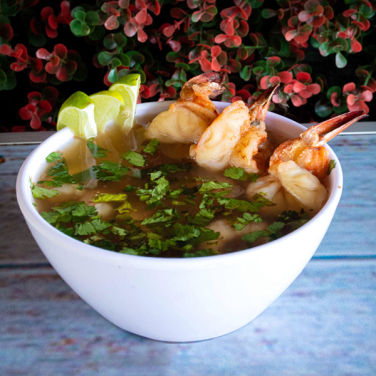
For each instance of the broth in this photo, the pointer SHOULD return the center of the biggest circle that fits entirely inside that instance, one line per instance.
(137, 196)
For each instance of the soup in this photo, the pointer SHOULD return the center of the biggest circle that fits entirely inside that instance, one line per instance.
(143, 197)
(191, 183)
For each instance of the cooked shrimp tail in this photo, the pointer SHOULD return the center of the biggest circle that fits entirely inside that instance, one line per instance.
(329, 129)
(308, 150)
(259, 108)
(205, 85)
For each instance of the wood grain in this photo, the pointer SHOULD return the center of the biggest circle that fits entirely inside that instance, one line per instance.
(322, 325)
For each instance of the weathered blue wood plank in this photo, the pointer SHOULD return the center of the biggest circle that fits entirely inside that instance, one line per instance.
(324, 324)
(353, 227)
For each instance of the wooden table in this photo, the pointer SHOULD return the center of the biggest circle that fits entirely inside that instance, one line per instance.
(324, 324)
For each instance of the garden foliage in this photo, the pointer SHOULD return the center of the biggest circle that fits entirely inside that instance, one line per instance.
(323, 53)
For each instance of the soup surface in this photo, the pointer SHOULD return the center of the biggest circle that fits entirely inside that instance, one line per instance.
(142, 197)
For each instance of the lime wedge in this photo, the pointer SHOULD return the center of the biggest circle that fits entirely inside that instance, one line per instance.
(107, 105)
(77, 113)
(128, 86)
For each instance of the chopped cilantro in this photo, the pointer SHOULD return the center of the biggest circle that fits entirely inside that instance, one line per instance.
(110, 197)
(185, 232)
(255, 235)
(60, 175)
(203, 217)
(54, 157)
(152, 146)
(170, 168)
(155, 175)
(109, 171)
(129, 251)
(153, 196)
(332, 164)
(85, 228)
(239, 173)
(43, 193)
(213, 185)
(160, 216)
(245, 220)
(134, 158)
(96, 150)
(130, 188)
(273, 231)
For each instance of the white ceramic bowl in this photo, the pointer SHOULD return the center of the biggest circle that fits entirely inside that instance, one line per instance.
(176, 299)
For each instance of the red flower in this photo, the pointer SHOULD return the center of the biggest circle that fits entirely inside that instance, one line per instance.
(356, 97)
(217, 62)
(23, 61)
(38, 107)
(301, 89)
(284, 77)
(349, 33)
(61, 62)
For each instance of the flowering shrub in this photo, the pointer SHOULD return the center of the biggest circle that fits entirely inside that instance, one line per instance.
(320, 52)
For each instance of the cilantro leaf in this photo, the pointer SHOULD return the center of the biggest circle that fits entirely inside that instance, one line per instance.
(96, 150)
(273, 231)
(213, 185)
(43, 193)
(110, 171)
(152, 146)
(134, 158)
(54, 156)
(245, 220)
(110, 197)
(160, 216)
(255, 235)
(185, 232)
(236, 173)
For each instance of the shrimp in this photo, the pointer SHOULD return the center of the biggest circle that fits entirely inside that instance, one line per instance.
(236, 137)
(215, 146)
(308, 150)
(297, 167)
(187, 118)
(251, 152)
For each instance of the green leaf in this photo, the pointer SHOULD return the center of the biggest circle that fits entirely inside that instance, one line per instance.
(110, 197)
(268, 13)
(96, 151)
(85, 228)
(92, 17)
(245, 220)
(112, 75)
(109, 171)
(236, 173)
(79, 28)
(134, 158)
(53, 157)
(255, 235)
(341, 61)
(214, 185)
(43, 193)
(152, 146)
(104, 57)
(245, 73)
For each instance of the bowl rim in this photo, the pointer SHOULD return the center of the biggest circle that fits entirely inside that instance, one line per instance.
(34, 219)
